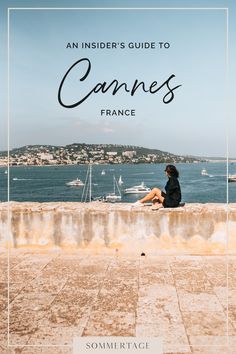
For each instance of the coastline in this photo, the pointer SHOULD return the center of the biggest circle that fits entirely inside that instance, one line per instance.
(128, 163)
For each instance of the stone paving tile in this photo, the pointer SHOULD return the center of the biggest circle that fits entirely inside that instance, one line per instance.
(176, 350)
(155, 274)
(203, 323)
(158, 303)
(126, 269)
(65, 316)
(173, 335)
(16, 275)
(39, 350)
(3, 295)
(3, 315)
(148, 264)
(110, 323)
(15, 289)
(232, 272)
(24, 322)
(222, 295)
(16, 259)
(232, 288)
(232, 340)
(75, 296)
(122, 298)
(19, 339)
(208, 340)
(233, 332)
(232, 279)
(3, 300)
(198, 302)
(159, 260)
(189, 262)
(4, 350)
(90, 282)
(216, 270)
(232, 314)
(220, 349)
(192, 280)
(68, 308)
(232, 305)
(40, 285)
(232, 297)
(34, 264)
(117, 273)
(3, 269)
(3, 332)
(228, 342)
(46, 335)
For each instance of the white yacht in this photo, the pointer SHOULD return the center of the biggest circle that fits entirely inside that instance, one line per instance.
(204, 172)
(75, 183)
(113, 197)
(140, 189)
(232, 178)
(103, 172)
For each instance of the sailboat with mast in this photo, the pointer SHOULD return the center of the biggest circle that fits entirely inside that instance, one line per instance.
(120, 181)
(113, 197)
(87, 190)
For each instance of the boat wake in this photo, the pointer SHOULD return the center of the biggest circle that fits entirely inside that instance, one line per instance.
(22, 179)
(144, 173)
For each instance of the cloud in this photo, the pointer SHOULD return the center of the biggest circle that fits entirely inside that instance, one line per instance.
(108, 130)
(97, 126)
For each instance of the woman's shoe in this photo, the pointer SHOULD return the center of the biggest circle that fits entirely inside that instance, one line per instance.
(157, 206)
(137, 204)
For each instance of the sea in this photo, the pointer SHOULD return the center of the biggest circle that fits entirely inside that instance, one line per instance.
(48, 183)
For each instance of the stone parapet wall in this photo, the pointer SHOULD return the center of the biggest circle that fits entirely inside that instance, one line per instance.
(192, 229)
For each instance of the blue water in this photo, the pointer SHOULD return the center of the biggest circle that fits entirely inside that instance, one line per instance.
(48, 183)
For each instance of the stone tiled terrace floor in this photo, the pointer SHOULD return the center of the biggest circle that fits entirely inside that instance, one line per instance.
(55, 296)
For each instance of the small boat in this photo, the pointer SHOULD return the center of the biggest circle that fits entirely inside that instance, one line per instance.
(15, 179)
(232, 178)
(120, 182)
(5, 172)
(204, 172)
(140, 189)
(113, 197)
(103, 173)
(75, 183)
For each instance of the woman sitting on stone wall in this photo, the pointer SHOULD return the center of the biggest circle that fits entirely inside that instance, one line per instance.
(168, 199)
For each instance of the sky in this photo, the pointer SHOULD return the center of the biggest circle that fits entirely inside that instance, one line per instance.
(198, 121)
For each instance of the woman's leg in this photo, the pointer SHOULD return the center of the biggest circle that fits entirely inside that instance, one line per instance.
(155, 192)
(155, 201)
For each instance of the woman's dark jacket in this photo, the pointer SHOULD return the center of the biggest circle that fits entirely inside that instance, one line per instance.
(172, 197)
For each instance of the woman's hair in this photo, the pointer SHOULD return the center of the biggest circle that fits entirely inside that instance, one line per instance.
(172, 170)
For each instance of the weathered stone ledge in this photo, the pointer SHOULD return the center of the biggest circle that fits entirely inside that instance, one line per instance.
(192, 229)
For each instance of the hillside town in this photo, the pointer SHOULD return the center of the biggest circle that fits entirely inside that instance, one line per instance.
(39, 155)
